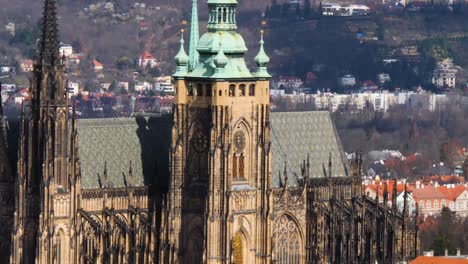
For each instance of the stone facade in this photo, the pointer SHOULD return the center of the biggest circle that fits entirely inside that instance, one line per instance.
(201, 190)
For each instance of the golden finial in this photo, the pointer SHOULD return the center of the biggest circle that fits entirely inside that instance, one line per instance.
(261, 32)
(182, 30)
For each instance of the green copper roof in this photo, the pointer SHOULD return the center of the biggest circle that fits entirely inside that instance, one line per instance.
(262, 60)
(230, 63)
(232, 42)
(194, 36)
(181, 58)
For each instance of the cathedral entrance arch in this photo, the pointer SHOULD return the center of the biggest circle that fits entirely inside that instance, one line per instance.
(288, 241)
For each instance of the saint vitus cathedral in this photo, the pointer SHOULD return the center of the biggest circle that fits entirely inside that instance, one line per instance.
(221, 180)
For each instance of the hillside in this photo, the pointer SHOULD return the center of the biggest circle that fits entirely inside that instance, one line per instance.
(110, 32)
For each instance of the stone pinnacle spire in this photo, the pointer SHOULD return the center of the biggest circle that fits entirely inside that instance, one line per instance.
(49, 43)
(194, 37)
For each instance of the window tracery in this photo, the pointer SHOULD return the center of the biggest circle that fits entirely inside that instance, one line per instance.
(288, 244)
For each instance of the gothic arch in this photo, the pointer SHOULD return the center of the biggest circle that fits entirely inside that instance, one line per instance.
(242, 151)
(240, 247)
(288, 245)
(62, 250)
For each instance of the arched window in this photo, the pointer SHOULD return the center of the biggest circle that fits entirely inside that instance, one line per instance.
(288, 241)
(428, 204)
(232, 90)
(444, 204)
(199, 89)
(220, 93)
(436, 204)
(242, 90)
(252, 90)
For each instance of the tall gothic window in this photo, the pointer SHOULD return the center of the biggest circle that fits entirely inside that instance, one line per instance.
(199, 89)
(234, 166)
(241, 166)
(288, 244)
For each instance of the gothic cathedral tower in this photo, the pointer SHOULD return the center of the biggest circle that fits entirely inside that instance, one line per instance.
(44, 191)
(218, 203)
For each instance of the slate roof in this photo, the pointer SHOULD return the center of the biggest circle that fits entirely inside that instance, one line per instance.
(111, 144)
(122, 146)
(295, 135)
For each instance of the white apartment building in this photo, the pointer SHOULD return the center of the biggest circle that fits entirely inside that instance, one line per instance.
(445, 74)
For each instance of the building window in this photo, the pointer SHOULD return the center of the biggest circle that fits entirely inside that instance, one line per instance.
(220, 93)
(421, 204)
(208, 90)
(232, 90)
(452, 205)
(242, 90)
(252, 90)
(428, 204)
(444, 204)
(288, 242)
(460, 205)
(199, 89)
(436, 204)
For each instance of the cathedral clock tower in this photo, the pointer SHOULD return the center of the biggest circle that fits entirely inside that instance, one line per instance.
(218, 203)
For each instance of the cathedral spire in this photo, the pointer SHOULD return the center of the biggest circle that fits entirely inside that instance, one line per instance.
(181, 58)
(49, 43)
(194, 36)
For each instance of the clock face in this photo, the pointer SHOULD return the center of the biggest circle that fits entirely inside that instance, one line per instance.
(239, 141)
(199, 141)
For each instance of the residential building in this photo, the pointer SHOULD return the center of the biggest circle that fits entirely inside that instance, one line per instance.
(97, 66)
(347, 80)
(143, 86)
(147, 60)
(73, 88)
(445, 74)
(26, 65)
(66, 50)
(383, 78)
(285, 82)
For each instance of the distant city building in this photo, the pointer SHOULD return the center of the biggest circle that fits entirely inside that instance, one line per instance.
(73, 88)
(347, 80)
(383, 78)
(147, 60)
(97, 66)
(143, 86)
(285, 82)
(333, 9)
(26, 65)
(66, 50)
(445, 74)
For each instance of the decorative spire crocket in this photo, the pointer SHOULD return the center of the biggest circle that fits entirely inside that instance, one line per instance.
(49, 45)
